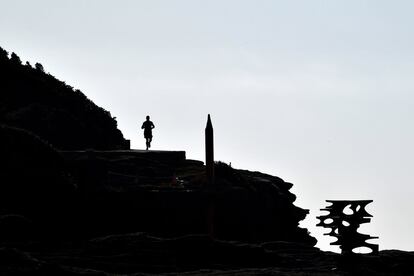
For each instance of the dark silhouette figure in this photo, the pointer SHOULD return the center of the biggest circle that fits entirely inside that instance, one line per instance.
(148, 126)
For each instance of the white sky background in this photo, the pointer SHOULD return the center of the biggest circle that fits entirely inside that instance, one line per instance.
(319, 93)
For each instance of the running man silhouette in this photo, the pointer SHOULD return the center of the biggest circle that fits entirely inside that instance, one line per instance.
(148, 126)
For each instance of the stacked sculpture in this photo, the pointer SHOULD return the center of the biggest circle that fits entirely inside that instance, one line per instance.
(344, 219)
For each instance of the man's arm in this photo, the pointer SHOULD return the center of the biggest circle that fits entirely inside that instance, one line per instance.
(152, 125)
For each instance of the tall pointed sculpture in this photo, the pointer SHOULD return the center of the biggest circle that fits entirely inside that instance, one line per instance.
(209, 152)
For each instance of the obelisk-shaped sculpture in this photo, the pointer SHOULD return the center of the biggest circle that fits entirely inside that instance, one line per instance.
(209, 152)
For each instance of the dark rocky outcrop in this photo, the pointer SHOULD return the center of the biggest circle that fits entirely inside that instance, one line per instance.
(34, 100)
(167, 196)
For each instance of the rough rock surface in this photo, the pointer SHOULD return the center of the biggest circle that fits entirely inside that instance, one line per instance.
(141, 254)
(167, 196)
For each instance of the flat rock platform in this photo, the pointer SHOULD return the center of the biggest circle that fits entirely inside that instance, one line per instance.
(162, 156)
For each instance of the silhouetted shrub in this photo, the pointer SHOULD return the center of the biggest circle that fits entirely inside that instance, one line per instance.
(3, 54)
(15, 58)
(39, 67)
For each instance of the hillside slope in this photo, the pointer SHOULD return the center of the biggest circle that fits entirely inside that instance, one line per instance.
(38, 102)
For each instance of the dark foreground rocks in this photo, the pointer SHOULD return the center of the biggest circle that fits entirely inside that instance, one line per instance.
(141, 254)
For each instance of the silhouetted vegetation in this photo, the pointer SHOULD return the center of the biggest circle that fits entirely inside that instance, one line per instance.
(39, 67)
(34, 100)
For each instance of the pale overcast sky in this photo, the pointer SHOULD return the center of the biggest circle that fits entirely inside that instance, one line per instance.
(319, 93)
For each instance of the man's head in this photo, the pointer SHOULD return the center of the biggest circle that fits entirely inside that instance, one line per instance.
(148, 117)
